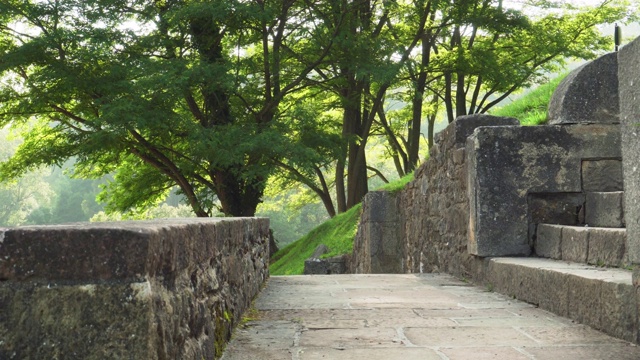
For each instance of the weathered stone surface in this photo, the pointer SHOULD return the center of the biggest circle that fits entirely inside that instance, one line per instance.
(575, 244)
(635, 280)
(139, 290)
(599, 297)
(378, 241)
(602, 175)
(549, 241)
(403, 319)
(629, 79)
(433, 210)
(605, 209)
(328, 266)
(556, 208)
(607, 246)
(507, 163)
(588, 95)
(618, 314)
(465, 126)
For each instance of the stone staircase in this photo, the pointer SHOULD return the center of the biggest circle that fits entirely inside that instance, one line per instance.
(579, 262)
(579, 267)
(537, 213)
(597, 234)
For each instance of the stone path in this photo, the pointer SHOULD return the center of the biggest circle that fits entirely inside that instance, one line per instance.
(408, 317)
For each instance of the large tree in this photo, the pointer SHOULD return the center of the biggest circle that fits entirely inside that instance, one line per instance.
(161, 93)
(215, 96)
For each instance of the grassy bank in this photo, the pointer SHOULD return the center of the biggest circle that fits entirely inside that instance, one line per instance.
(531, 109)
(337, 234)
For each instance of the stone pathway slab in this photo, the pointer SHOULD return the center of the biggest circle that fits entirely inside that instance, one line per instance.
(426, 316)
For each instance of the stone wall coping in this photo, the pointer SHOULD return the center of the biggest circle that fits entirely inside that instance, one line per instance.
(114, 251)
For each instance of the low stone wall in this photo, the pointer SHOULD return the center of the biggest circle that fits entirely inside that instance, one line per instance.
(169, 289)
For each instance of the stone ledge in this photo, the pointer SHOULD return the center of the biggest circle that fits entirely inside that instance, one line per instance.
(118, 251)
(603, 298)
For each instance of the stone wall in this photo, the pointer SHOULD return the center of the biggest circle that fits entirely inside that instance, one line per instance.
(425, 225)
(170, 289)
(489, 183)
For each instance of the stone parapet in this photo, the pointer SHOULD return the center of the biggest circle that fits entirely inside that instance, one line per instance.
(132, 290)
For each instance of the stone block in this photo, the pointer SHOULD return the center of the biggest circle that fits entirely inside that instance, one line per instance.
(629, 79)
(618, 313)
(379, 206)
(602, 175)
(549, 241)
(588, 95)
(529, 280)
(606, 246)
(554, 291)
(635, 281)
(605, 209)
(466, 124)
(585, 300)
(506, 163)
(328, 266)
(575, 244)
(556, 208)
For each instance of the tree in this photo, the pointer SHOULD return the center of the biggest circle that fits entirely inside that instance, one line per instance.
(361, 66)
(477, 53)
(22, 197)
(215, 97)
(163, 94)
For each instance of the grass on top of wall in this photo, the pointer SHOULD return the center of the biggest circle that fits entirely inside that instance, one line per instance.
(336, 233)
(531, 109)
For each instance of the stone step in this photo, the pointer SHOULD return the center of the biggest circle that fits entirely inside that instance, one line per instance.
(581, 244)
(603, 298)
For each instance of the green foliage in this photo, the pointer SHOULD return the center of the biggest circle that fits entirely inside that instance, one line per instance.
(162, 211)
(531, 109)
(162, 94)
(219, 97)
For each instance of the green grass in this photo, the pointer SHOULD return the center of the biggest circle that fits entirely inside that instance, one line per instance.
(531, 109)
(336, 233)
(397, 185)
